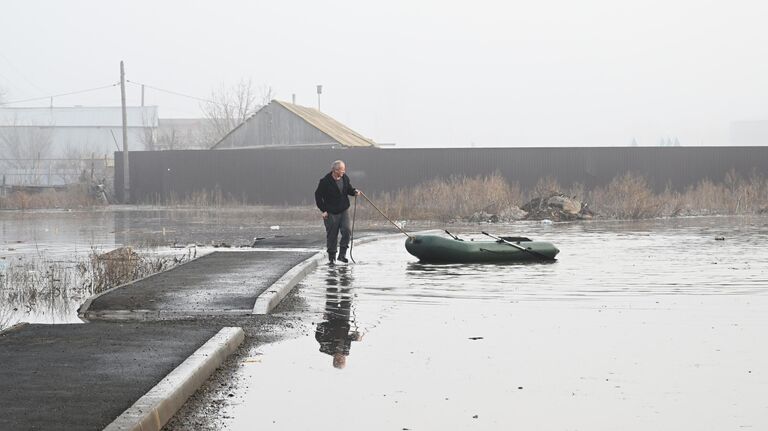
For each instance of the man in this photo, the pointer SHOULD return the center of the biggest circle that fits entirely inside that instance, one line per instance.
(332, 198)
(335, 333)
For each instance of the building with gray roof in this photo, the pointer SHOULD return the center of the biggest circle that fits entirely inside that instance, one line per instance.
(283, 124)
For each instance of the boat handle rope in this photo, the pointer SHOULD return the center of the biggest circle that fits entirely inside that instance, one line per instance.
(352, 234)
(385, 216)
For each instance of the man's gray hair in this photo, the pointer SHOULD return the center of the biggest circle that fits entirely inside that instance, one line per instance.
(335, 165)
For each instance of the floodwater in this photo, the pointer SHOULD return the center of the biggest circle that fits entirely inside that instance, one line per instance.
(43, 253)
(638, 325)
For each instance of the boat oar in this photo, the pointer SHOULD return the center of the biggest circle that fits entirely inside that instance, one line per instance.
(453, 236)
(519, 247)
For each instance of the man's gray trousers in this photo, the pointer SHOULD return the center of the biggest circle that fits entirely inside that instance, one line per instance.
(333, 224)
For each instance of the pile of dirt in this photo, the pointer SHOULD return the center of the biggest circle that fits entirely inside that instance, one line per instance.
(557, 207)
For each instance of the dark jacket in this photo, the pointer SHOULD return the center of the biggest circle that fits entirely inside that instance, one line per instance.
(334, 336)
(327, 195)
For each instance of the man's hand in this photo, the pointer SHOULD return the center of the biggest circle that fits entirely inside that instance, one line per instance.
(358, 192)
(325, 215)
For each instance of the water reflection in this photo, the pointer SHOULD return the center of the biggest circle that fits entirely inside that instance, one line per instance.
(338, 329)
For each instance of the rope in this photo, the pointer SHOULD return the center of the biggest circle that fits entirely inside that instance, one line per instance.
(385, 216)
(352, 234)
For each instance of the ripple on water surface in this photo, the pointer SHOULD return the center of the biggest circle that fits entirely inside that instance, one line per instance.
(591, 265)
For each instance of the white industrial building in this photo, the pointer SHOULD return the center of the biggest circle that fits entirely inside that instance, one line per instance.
(67, 132)
(61, 145)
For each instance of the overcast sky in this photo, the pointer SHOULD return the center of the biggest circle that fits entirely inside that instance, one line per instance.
(417, 73)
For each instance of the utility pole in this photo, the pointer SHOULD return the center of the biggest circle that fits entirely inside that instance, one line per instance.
(126, 176)
(319, 92)
(142, 95)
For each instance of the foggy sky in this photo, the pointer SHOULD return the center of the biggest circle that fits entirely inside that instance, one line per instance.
(417, 73)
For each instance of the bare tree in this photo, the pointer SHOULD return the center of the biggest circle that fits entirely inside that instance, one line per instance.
(182, 134)
(22, 147)
(169, 140)
(148, 134)
(232, 105)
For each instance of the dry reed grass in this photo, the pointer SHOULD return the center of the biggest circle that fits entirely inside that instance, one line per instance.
(454, 198)
(201, 198)
(30, 282)
(628, 196)
(73, 197)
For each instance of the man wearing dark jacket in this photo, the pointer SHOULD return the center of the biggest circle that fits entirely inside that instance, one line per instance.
(332, 198)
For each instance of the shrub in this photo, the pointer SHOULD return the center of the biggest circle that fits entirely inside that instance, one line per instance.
(454, 198)
(626, 197)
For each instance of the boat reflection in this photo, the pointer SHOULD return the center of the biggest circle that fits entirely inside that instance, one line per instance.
(338, 329)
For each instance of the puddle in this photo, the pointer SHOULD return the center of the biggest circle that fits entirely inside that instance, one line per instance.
(651, 325)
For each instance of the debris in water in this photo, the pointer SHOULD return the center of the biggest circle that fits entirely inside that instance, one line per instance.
(275, 227)
(719, 238)
(474, 417)
(475, 338)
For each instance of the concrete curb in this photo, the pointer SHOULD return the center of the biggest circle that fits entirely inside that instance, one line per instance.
(13, 328)
(271, 297)
(156, 407)
(275, 293)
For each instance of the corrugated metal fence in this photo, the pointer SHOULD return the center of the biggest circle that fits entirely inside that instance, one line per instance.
(289, 175)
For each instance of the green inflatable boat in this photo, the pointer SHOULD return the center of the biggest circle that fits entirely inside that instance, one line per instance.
(439, 249)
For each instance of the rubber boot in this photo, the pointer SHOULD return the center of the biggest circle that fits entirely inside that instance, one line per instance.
(343, 255)
(331, 258)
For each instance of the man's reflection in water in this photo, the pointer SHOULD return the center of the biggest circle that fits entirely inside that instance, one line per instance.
(335, 333)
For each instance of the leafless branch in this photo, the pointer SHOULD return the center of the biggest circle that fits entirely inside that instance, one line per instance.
(232, 105)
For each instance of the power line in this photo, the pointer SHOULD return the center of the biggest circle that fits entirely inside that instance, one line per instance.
(61, 95)
(176, 93)
(22, 74)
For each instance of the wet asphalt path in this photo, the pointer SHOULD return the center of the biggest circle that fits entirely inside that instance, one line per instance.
(81, 377)
(221, 282)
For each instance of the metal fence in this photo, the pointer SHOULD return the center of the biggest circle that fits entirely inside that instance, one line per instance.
(290, 175)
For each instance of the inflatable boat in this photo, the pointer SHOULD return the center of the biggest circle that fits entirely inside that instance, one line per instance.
(439, 249)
